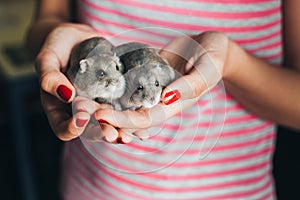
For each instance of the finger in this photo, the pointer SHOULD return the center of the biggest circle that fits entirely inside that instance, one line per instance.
(142, 134)
(87, 105)
(110, 134)
(96, 132)
(142, 118)
(66, 127)
(51, 79)
(189, 86)
(125, 136)
(124, 119)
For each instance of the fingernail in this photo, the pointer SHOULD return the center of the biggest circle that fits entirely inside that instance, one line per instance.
(81, 122)
(171, 97)
(80, 110)
(120, 141)
(102, 121)
(64, 92)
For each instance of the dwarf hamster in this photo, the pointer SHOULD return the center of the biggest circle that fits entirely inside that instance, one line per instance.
(96, 71)
(147, 74)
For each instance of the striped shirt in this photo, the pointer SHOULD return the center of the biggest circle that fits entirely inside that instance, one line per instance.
(212, 150)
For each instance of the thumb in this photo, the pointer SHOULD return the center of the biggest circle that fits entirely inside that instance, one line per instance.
(52, 80)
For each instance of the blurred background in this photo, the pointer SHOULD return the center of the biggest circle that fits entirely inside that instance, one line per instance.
(30, 153)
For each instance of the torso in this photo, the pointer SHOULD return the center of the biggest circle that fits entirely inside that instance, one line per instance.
(213, 150)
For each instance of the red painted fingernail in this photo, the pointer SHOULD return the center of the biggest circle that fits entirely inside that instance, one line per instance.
(102, 121)
(64, 92)
(81, 122)
(120, 141)
(171, 97)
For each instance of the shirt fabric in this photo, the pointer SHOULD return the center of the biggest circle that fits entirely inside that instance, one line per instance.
(212, 150)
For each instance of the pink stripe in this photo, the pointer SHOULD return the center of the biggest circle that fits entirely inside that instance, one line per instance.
(243, 144)
(259, 39)
(207, 124)
(240, 170)
(183, 26)
(270, 194)
(218, 161)
(122, 25)
(242, 195)
(245, 131)
(216, 148)
(225, 134)
(246, 181)
(76, 193)
(263, 152)
(126, 38)
(230, 1)
(83, 174)
(273, 57)
(200, 13)
(272, 46)
(77, 180)
(222, 110)
(168, 37)
(239, 119)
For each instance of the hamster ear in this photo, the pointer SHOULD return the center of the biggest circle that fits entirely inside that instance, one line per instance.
(157, 69)
(117, 60)
(84, 65)
(165, 71)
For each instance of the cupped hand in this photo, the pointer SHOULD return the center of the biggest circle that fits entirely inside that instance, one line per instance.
(100, 130)
(201, 61)
(57, 92)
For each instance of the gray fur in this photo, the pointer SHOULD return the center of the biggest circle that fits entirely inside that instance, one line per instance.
(147, 74)
(96, 71)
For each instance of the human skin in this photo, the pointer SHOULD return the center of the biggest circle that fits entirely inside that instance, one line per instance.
(270, 92)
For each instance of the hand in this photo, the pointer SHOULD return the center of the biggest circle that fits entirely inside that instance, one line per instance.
(201, 59)
(57, 92)
(101, 130)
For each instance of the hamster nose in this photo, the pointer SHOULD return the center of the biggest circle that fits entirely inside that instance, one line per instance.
(108, 82)
(152, 100)
(118, 84)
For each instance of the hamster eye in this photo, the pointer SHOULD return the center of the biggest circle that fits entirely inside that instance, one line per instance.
(156, 83)
(140, 87)
(101, 73)
(117, 68)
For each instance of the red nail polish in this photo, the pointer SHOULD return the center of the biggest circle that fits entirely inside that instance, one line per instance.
(80, 122)
(64, 92)
(120, 141)
(102, 121)
(171, 97)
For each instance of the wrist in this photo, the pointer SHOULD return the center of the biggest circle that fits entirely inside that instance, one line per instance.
(235, 60)
(42, 28)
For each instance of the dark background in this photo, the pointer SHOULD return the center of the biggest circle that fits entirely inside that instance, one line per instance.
(30, 153)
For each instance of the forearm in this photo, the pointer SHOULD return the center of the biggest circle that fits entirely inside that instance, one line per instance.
(50, 15)
(270, 92)
(39, 31)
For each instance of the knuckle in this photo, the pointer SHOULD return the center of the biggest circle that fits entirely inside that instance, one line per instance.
(46, 80)
(194, 84)
(197, 89)
(145, 118)
(64, 137)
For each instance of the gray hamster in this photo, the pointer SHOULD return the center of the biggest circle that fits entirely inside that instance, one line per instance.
(96, 71)
(147, 74)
